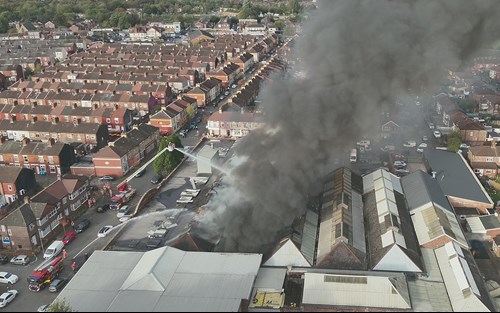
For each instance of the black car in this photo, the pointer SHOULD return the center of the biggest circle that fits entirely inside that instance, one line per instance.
(82, 225)
(57, 284)
(103, 208)
(139, 174)
(156, 179)
(153, 243)
(4, 259)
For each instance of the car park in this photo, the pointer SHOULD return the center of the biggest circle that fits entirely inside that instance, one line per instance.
(8, 278)
(57, 284)
(69, 237)
(20, 260)
(82, 225)
(7, 297)
(104, 231)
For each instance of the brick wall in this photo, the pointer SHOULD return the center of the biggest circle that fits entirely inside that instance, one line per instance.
(463, 203)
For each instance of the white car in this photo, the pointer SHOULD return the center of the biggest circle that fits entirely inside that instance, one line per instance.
(122, 211)
(437, 134)
(424, 138)
(464, 146)
(431, 125)
(8, 278)
(125, 218)
(20, 260)
(399, 163)
(7, 297)
(410, 144)
(183, 200)
(104, 231)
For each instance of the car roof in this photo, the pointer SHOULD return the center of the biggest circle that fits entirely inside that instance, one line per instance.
(3, 273)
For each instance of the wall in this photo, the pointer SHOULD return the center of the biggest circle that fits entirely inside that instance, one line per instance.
(461, 203)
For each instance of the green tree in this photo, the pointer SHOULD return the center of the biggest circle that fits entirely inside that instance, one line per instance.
(468, 104)
(294, 6)
(280, 24)
(59, 306)
(167, 161)
(190, 112)
(454, 141)
(246, 10)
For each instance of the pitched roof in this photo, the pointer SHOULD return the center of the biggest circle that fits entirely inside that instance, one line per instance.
(21, 216)
(9, 174)
(455, 176)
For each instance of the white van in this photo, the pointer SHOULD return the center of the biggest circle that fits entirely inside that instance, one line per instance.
(54, 249)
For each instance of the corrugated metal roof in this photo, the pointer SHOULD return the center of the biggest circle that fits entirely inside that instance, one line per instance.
(476, 226)
(309, 235)
(356, 290)
(164, 279)
(420, 188)
(270, 278)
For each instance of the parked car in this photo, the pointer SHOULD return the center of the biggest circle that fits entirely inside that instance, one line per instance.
(410, 144)
(4, 259)
(431, 125)
(437, 134)
(122, 211)
(424, 138)
(156, 179)
(7, 297)
(107, 178)
(20, 260)
(69, 237)
(103, 208)
(57, 284)
(104, 231)
(125, 218)
(399, 163)
(233, 86)
(82, 225)
(153, 243)
(43, 308)
(140, 173)
(226, 93)
(8, 278)
(464, 146)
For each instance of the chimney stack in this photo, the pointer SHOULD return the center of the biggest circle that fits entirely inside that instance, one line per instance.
(25, 141)
(55, 120)
(33, 119)
(51, 142)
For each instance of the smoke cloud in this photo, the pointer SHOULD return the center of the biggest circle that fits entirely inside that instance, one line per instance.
(357, 57)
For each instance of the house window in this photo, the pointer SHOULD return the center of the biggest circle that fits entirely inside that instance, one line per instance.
(66, 119)
(489, 159)
(16, 158)
(1, 158)
(471, 134)
(87, 119)
(41, 159)
(117, 120)
(10, 187)
(25, 158)
(70, 136)
(3, 229)
(9, 231)
(96, 120)
(45, 117)
(52, 169)
(65, 200)
(51, 159)
(45, 232)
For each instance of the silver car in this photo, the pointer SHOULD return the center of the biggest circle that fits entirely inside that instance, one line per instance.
(20, 260)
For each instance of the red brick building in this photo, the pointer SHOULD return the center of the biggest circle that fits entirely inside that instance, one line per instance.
(15, 182)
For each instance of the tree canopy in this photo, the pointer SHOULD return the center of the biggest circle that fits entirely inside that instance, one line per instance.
(167, 161)
(454, 141)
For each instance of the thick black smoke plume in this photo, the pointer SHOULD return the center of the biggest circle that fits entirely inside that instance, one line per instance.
(357, 57)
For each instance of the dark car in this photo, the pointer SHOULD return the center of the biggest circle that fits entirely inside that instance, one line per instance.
(57, 284)
(4, 259)
(82, 225)
(156, 179)
(139, 174)
(153, 243)
(103, 208)
(107, 178)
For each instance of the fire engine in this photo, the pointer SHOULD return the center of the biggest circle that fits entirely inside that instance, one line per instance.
(45, 273)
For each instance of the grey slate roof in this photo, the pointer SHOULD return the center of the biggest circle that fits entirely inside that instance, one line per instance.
(454, 176)
(21, 216)
(420, 188)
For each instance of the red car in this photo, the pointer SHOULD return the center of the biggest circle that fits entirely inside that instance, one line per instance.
(69, 237)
